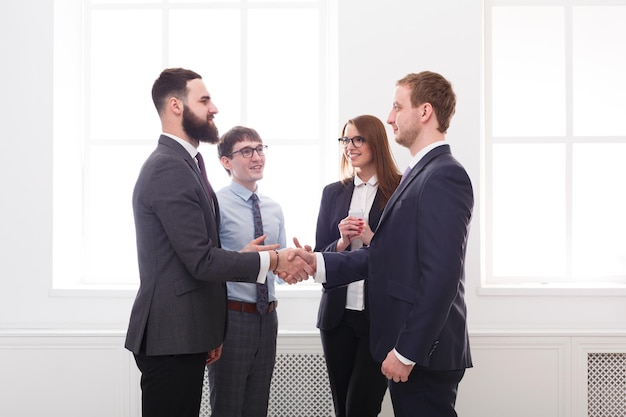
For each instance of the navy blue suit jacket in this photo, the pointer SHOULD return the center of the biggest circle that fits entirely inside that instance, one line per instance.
(415, 266)
(334, 207)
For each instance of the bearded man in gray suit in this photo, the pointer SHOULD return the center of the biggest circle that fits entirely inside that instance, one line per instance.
(178, 319)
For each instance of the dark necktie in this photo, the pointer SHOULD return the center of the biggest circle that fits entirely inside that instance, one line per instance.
(406, 174)
(262, 300)
(209, 189)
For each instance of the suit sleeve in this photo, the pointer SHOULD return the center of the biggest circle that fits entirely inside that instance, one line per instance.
(342, 268)
(183, 210)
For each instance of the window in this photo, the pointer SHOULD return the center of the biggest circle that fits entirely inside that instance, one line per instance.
(555, 142)
(266, 66)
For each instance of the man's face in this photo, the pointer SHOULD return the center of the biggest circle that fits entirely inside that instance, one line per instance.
(245, 171)
(404, 118)
(198, 113)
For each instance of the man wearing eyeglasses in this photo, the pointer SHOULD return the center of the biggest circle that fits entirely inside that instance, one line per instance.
(240, 380)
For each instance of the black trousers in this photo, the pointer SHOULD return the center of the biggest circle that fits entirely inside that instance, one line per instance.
(356, 382)
(426, 394)
(171, 385)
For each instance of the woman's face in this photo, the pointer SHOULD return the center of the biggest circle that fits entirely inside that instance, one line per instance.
(360, 157)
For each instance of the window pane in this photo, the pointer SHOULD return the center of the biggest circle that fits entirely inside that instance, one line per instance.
(209, 42)
(528, 204)
(111, 255)
(205, 1)
(96, 2)
(300, 203)
(247, 63)
(528, 72)
(283, 56)
(121, 59)
(282, 1)
(599, 210)
(599, 67)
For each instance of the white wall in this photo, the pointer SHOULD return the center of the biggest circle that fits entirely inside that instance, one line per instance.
(532, 343)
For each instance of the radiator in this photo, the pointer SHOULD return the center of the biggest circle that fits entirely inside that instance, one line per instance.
(299, 388)
(606, 384)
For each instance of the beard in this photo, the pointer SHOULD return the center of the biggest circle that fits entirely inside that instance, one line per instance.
(407, 137)
(198, 129)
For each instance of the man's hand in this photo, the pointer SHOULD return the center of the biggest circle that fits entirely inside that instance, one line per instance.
(292, 268)
(299, 261)
(392, 368)
(256, 245)
(296, 242)
(214, 355)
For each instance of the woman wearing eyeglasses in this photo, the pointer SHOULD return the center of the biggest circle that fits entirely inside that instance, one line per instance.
(349, 212)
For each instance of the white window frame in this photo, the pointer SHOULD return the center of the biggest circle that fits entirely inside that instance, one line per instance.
(71, 137)
(491, 285)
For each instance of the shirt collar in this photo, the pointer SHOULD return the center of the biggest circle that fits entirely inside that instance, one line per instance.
(188, 146)
(372, 181)
(242, 191)
(424, 151)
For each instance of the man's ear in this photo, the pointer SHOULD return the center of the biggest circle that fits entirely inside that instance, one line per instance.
(225, 162)
(427, 111)
(175, 105)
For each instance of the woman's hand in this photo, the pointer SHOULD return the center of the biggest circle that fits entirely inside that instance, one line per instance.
(350, 228)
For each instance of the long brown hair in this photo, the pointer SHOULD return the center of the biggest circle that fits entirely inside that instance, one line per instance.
(373, 130)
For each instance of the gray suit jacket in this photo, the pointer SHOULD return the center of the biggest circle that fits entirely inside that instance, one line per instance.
(180, 307)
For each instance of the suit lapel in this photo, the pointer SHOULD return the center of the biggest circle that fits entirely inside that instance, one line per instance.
(344, 199)
(175, 147)
(375, 212)
(434, 153)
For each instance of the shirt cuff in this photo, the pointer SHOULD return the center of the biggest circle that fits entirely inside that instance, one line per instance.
(265, 267)
(403, 359)
(320, 273)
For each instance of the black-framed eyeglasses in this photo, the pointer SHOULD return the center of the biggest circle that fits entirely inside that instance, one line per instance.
(357, 141)
(247, 152)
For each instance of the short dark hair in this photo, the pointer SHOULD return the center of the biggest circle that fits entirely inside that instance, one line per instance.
(172, 82)
(235, 135)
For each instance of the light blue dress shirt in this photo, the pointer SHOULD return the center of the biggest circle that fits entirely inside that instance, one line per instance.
(237, 230)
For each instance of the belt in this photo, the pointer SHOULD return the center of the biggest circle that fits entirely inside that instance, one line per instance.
(249, 307)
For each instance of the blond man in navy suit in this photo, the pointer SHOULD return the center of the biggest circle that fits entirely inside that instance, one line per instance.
(415, 263)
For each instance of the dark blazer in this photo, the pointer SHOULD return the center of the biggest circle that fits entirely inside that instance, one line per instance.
(336, 198)
(415, 266)
(180, 307)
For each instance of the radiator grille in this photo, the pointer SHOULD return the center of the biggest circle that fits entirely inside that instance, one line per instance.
(606, 384)
(299, 388)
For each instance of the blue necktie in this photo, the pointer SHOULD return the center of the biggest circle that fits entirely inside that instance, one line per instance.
(262, 299)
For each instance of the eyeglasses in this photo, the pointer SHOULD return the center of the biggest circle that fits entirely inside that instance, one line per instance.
(248, 152)
(357, 141)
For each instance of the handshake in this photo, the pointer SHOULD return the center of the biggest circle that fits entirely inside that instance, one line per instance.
(292, 265)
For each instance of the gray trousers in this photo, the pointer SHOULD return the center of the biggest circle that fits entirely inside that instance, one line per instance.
(240, 380)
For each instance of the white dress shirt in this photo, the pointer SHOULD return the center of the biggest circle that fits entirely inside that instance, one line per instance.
(362, 199)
